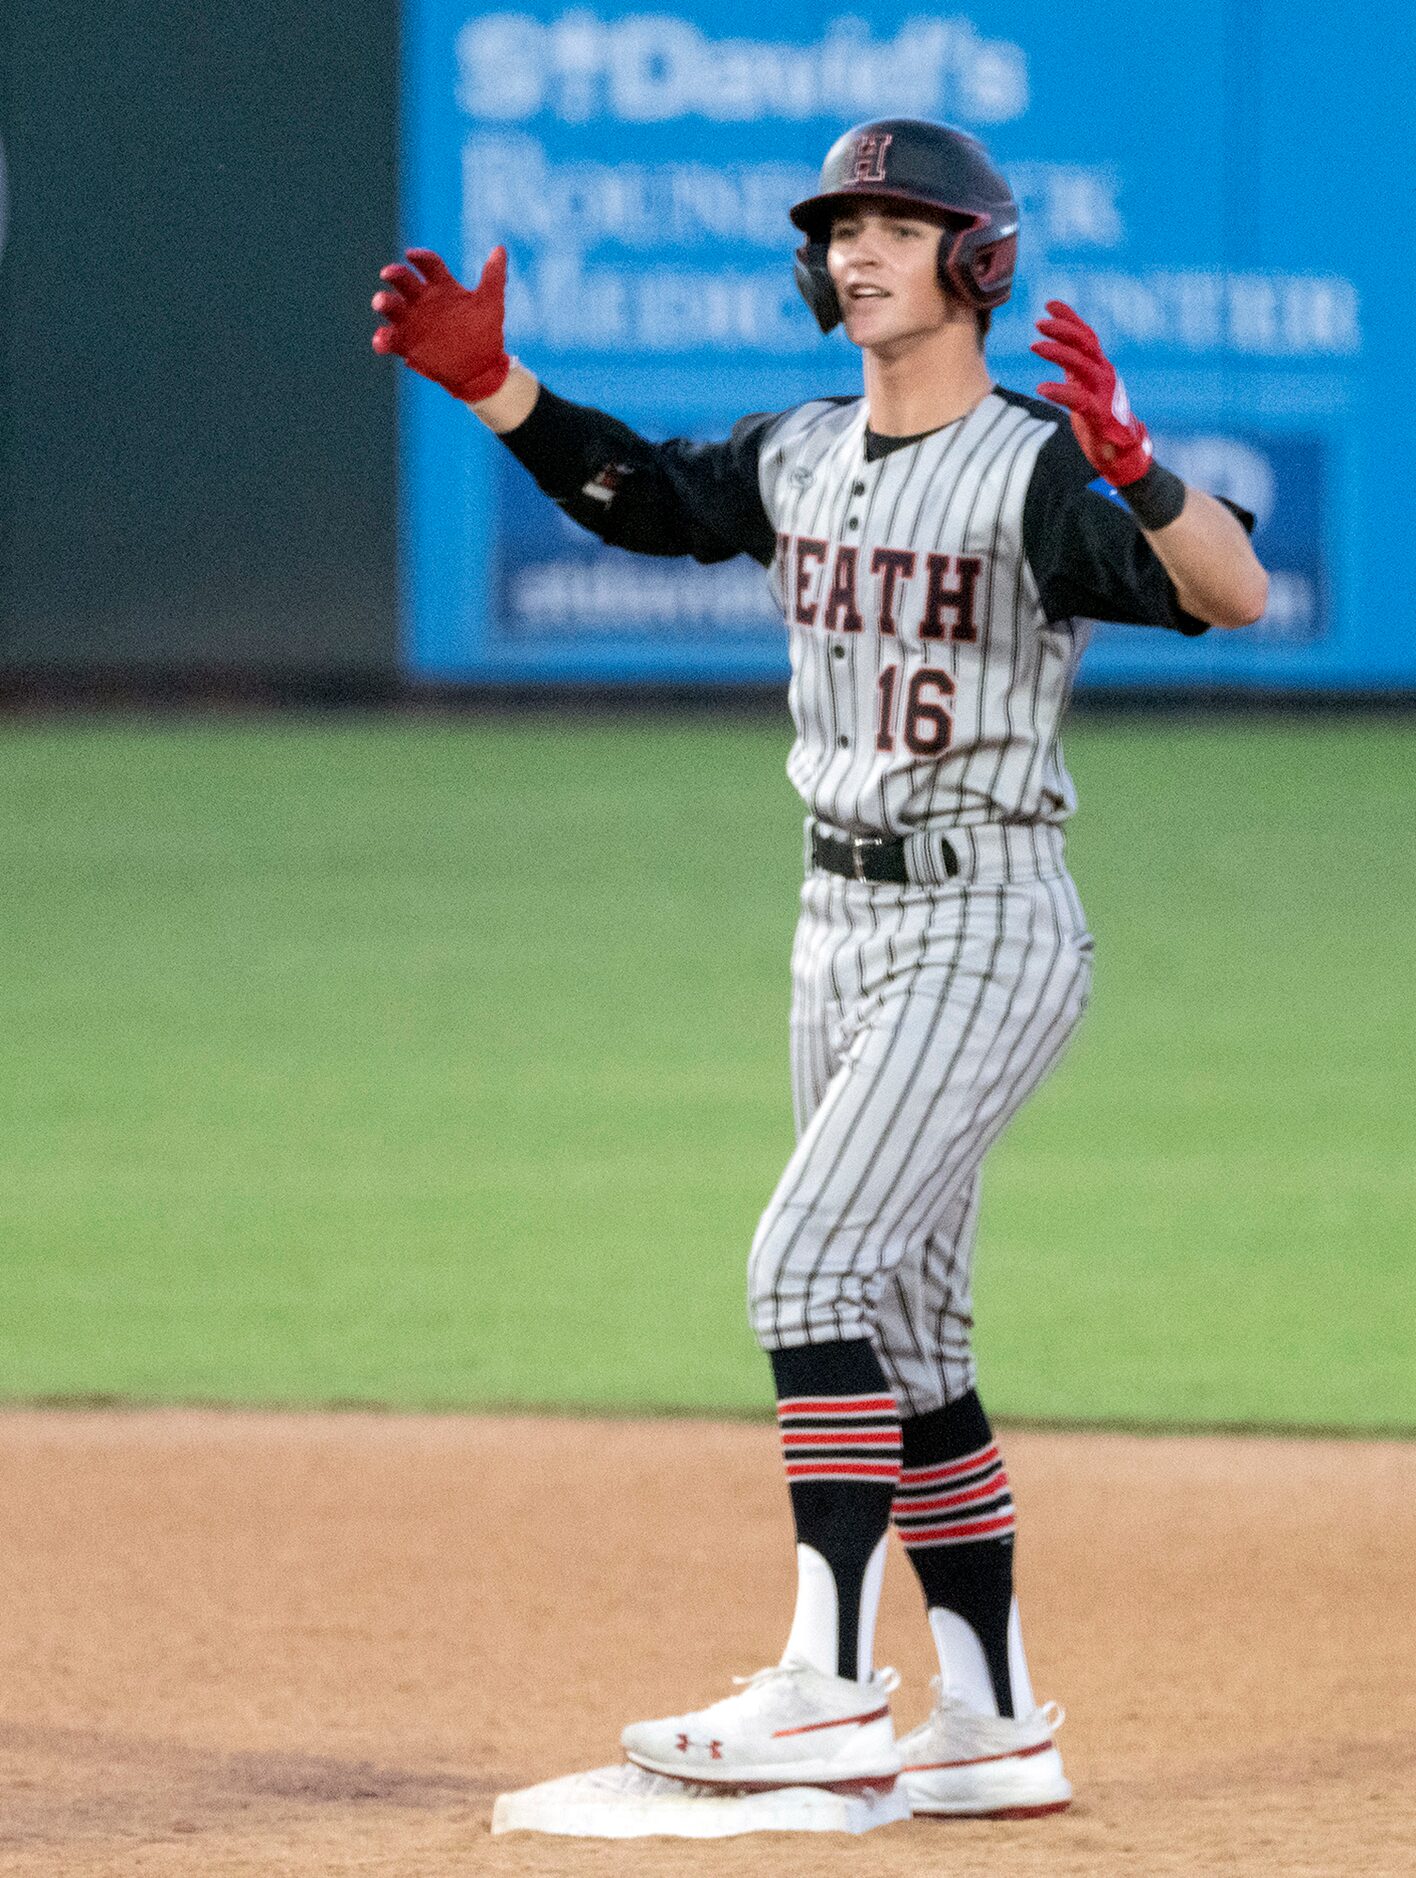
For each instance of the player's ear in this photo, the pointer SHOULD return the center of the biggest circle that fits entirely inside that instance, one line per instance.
(818, 290)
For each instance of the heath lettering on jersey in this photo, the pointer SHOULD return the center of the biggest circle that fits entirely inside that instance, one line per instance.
(827, 587)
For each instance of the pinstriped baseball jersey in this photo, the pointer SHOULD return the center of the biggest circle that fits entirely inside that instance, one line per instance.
(935, 589)
(927, 684)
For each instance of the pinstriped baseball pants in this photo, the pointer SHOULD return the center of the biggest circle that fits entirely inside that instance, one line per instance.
(922, 1019)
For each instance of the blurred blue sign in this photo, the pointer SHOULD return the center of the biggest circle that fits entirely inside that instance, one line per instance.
(638, 167)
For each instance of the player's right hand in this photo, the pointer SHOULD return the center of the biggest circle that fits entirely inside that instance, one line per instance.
(1112, 437)
(447, 332)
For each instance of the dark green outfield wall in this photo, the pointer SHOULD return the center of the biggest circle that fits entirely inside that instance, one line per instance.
(196, 462)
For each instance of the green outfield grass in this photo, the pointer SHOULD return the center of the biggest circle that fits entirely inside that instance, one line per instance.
(444, 1063)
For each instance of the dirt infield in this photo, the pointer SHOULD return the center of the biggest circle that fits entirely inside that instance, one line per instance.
(258, 1644)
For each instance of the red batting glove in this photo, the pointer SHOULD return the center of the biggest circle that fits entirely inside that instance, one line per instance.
(1112, 437)
(448, 332)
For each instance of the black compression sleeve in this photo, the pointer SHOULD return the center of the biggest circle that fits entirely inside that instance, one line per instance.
(653, 498)
(562, 443)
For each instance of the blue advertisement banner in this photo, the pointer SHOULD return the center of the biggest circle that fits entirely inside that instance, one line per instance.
(638, 167)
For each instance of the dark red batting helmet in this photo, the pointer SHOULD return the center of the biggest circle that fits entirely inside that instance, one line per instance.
(921, 166)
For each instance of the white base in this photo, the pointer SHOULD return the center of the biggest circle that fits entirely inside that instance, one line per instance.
(625, 1802)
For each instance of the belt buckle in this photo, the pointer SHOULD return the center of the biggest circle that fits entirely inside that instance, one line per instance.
(859, 844)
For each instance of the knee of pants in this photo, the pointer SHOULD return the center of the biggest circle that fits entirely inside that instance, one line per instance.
(807, 1282)
(927, 1379)
(924, 1334)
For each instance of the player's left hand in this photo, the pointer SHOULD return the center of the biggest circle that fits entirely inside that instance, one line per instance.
(1112, 437)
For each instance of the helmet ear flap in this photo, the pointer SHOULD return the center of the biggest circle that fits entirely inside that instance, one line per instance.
(978, 264)
(817, 289)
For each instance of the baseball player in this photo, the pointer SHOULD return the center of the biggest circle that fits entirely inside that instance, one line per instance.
(935, 546)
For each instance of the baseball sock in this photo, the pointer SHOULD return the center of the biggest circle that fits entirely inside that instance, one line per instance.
(840, 1432)
(954, 1513)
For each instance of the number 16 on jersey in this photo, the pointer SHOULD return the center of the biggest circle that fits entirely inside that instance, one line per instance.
(927, 725)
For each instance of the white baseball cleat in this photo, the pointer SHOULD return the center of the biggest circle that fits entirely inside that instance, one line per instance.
(984, 1766)
(789, 1726)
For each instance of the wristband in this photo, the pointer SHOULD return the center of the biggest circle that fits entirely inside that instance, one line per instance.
(1156, 498)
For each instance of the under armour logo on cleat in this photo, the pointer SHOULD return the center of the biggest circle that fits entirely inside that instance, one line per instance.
(715, 1748)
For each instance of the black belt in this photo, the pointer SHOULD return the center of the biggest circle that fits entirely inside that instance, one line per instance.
(879, 858)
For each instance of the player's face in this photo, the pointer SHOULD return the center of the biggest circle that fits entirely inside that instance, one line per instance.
(884, 264)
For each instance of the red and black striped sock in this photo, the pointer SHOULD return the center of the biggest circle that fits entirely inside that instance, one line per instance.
(954, 1513)
(840, 1432)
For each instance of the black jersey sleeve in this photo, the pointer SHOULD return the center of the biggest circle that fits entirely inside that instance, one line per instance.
(699, 499)
(1088, 554)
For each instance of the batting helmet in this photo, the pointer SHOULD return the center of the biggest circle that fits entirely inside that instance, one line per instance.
(923, 166)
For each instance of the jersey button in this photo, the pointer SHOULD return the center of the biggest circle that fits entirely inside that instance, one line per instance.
(838, 652)
(858, 489)
(852, 521)
(844, 741)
